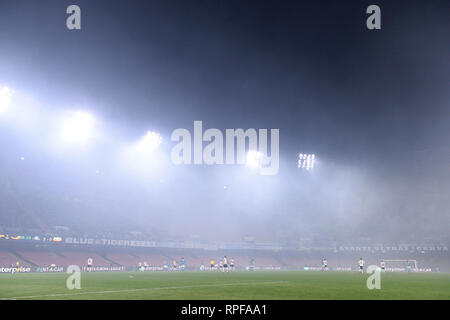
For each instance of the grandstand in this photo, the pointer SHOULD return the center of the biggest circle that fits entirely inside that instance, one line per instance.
(8, 259)
(62, 254)
(46, 246)
(38, 242)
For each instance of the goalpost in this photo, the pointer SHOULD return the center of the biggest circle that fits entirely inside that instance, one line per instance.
(400, 265)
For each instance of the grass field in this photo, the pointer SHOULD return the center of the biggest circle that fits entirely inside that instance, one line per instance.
(238, 285)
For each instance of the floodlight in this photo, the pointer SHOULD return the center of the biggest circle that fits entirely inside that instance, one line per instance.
(306, 161)
(255, 159)
(150, 142)
(5, 98)
(78, 128)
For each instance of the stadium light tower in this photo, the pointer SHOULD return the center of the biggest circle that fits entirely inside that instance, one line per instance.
(150, 142)
(306, 161)
(5, 98)
(255, 159)
(78, 128)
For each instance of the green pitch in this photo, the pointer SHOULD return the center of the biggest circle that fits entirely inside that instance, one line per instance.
(238, 285)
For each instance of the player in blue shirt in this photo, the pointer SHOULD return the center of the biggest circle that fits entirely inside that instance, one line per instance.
(252, 264)
(182, 264)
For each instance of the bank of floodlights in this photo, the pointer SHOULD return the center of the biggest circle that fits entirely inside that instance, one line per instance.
(255, 159)
(151, 141)
(306, 161)
(78, 127)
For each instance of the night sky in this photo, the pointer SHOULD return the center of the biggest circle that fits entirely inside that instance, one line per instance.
(372, 105)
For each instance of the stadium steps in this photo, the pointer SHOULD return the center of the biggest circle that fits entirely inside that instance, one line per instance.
(58, 254)
(23, 259)
(281, 261)
(109, 260)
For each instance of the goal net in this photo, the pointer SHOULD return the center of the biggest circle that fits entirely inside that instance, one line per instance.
(400, 265)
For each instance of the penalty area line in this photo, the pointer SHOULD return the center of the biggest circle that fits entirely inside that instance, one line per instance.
(145, 289)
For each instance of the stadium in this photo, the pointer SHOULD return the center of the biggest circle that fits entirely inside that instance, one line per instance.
(182, 270)
(223, 150)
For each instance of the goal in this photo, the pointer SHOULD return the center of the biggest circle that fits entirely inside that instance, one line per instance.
(401, 265)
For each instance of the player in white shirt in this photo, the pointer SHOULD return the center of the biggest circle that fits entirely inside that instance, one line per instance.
(174, 265)
(361, 265)
(225, 264)
(324, 265)
(232, 264)
(89, 264)
(382, 265)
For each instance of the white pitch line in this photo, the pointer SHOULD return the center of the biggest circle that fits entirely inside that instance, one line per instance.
(143, 289)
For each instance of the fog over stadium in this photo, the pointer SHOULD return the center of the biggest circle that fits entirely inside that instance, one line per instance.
(372, 107)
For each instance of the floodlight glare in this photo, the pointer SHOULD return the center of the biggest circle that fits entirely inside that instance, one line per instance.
(5, 98)
(150, 142)
(306, 161)
(255, 159)
(78, 128)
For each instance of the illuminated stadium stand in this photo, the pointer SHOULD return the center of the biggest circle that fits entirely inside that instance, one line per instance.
(64, 259)
(80, 258)
(124, 259)
(132, 260)
(51, 249)
(43, 258)
(7, 259)
(263, 260)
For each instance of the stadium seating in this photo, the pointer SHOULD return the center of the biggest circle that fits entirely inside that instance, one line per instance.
(273, 260)
(7, 259)
(124, 259)
(46, 258)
